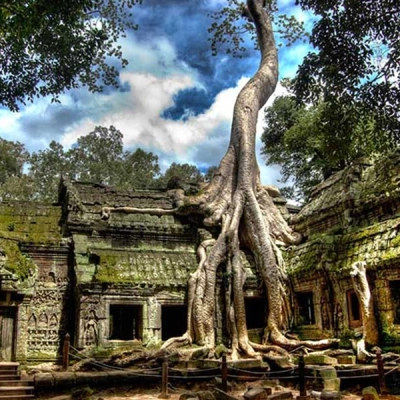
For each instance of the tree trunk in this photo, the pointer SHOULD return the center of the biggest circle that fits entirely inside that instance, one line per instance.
(360, 282)
(235, 199)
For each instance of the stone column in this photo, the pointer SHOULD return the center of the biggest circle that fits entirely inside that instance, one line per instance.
(152, 320)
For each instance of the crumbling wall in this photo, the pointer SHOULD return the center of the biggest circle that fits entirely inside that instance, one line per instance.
(354, 216)
(40, 290)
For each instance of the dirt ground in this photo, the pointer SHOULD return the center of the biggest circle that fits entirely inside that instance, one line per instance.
(129, 393)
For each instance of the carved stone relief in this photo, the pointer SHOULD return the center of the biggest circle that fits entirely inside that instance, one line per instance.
(49, 301)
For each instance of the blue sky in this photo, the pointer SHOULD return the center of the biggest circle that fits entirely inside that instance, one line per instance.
(175, 100)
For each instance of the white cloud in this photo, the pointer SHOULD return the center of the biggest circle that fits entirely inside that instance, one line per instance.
(139, 119)
(138, 115)
(153, 79)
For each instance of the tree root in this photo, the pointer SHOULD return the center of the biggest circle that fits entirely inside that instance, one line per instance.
(247, 217)
(106, 211)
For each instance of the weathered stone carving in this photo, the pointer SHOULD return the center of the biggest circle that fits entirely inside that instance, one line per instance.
(91, 329)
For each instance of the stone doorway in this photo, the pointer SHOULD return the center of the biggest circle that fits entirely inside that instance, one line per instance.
(126, 322)
(7, 333)
(255, 312)
(173, 321)
(305, 303)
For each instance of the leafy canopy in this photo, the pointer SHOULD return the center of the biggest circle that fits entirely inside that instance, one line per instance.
(310, 143)
(97, 157)
(228, 28)
(49, 46)
(356, 57)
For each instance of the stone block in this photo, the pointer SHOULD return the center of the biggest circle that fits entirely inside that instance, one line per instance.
(281, 396)
(247, 364)
(187, 396)
(303, 397)
(64, 380)
(330, 395)
(321, 359)
(201, 395)
(346, 359)
(328, 373)
(256, 393)
(87, 378)
(258, 388)
(370, 393)
(81, 393)
(221, 395)
(332, 384)
(44, 381)
(205, 395)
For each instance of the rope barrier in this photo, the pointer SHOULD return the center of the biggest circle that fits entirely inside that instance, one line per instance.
(360, 376)
(351, 370)
(192, 377)
(263, 373)
(114, 368)
(107, 366)
(192, 374)
(188, 370)
(392, 370)
(262, 377)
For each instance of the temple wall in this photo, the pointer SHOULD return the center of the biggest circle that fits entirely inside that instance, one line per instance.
(354, 216)
(118, 281)
(37, 295)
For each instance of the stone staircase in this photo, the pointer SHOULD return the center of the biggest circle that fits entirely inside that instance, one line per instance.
(12, 385)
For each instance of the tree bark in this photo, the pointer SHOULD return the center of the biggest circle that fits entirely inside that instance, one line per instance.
(361, 287)
(237, 202)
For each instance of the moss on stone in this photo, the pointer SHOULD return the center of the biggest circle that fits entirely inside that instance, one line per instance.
(395, 242)
(17, 262)
(24, 223)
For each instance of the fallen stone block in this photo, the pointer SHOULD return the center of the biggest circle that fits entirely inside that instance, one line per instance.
(221, 395)
(44, 381)
(281, 396)
(321, 359)
(332, 384)
(370, 393)
(346, 359)
(330, 395)
(256, 393)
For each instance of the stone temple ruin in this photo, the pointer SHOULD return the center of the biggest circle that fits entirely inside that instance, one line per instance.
(119, 282)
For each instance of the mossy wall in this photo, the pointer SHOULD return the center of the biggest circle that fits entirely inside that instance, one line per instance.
(353, 216)
(23, 223)
(37, 255)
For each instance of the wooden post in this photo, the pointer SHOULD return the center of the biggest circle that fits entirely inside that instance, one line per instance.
(302, 379)
(381, 372)
(164, 380)
(66, 347)
(224, 373)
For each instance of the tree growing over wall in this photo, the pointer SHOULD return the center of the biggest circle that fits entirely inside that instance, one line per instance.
(247, 218)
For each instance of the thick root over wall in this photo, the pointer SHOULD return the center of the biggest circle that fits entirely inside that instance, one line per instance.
(237, 202)
(243, 209)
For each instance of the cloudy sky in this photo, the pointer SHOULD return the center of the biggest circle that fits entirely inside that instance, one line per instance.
(175, 100)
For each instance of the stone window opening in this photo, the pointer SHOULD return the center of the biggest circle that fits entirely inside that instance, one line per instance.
(255, 312)
(354, 311)
(126, 322)
(395, 296)
(173, 320)
(305, 303)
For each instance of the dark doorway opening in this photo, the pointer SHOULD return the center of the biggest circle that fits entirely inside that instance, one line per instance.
(255, 312)
(353, 306)
(126, 322)
(306, 308)
(173, 321)
(395, 295)
(7, 333)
